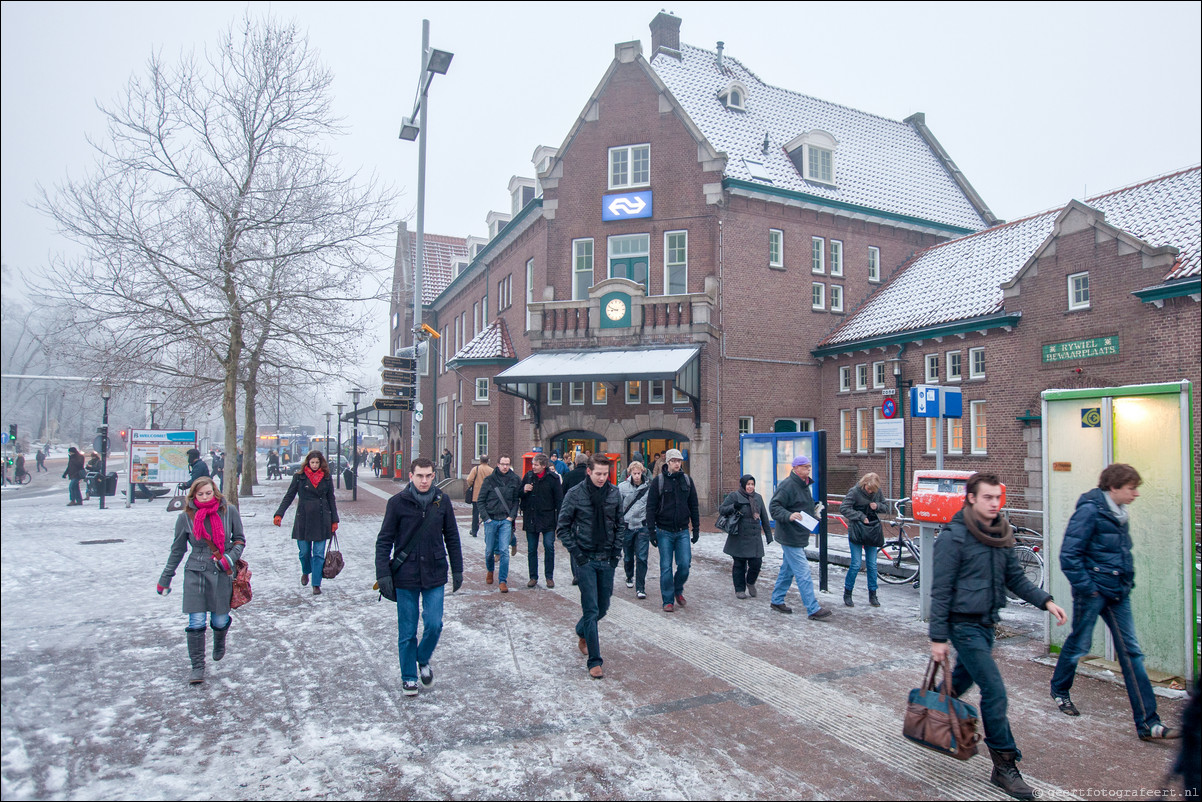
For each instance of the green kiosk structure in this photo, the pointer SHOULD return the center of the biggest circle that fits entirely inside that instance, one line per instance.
(1149, 427)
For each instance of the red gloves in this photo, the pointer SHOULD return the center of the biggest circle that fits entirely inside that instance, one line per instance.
(334, 527)
(276, 520)
(162, 591)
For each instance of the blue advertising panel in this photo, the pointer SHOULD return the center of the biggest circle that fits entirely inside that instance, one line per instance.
(626, 205)
(769, 458)
(924, 401)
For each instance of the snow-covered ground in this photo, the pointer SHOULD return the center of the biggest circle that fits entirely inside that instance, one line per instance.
(725, 700)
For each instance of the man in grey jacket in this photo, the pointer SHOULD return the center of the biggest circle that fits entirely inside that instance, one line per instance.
(791, 504)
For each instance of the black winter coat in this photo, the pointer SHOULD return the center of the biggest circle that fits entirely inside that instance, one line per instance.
(196, 470)
(575, 525)
(74, 466)
(574, 477)
(507, 502)
(435, 550)
(746, 543)
(672, 503)
(792, 495)
(1096, 554)
(863, 522)
(540, 507)
(970, 579)
(316, 510)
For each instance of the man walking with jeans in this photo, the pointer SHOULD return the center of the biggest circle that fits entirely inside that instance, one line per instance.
(792, 499)
(542, 493)
(671, 507)
(590, 526)
(417, 540)
(500, 496)
(1096, 559)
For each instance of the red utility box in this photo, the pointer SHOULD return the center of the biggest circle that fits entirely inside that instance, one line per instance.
(937, 496)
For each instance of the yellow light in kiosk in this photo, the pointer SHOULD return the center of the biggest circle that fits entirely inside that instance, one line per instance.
(1131, 411)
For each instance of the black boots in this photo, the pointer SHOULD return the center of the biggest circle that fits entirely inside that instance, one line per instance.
(219, 640)
(873, 600)
(847, 599)
(196, 652)
(1005, 775)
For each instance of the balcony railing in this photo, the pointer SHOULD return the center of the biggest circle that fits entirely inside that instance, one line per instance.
(654, 315)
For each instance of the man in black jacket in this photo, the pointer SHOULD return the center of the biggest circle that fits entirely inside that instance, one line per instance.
(417, 537)
(542, 493)
(974, 564)
(500, 496)
(196, 467)
(671, 507)
(591, 528)
(572, 478)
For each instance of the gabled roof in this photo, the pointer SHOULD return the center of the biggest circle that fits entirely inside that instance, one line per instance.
(879, 163)
(962, 279)
(441, 253)
(491, 344)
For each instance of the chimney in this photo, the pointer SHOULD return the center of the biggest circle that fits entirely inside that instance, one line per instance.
(665, 33)
(720, 46)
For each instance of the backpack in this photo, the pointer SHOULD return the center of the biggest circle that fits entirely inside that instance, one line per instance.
(688, 482)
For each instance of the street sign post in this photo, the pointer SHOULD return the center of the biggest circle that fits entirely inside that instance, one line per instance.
(889, 408)
(393, 404)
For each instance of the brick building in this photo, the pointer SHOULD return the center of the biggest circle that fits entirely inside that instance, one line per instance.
(673, 275)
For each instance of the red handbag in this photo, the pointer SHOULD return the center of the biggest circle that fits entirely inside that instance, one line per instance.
(242, 591)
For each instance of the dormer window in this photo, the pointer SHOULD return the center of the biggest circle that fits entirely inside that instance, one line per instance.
(734, 96)
(813, 154)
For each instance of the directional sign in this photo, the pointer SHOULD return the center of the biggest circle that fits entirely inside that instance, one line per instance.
(889, 408)
(398, 363)
(924, 401)
(4, 438)
(626, 206)
(397, 376)
(393, 404)
(399, 391)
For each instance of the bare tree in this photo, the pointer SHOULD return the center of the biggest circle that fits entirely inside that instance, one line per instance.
(213, 173)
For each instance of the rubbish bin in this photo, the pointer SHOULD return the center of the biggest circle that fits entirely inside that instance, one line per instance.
(348, 478)
(110, 483)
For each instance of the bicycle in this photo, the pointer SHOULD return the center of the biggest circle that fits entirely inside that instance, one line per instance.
(23, 477)
(1027, 547)
(900, 556)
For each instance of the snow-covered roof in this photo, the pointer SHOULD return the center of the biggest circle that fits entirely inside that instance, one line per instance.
(625, 364)
(880, 163)
(961, 279)
(441, 254)
(492, 343)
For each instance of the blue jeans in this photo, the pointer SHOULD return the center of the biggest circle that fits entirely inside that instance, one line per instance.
(197, 620)
(548, 553)
(635, 546)
(496, 541)
(673, 544)
(410, 651)
(975, 663)
(1117, 615)
(313, 558)
(795, 564)
(74, 492)
(867, 555)
(596, 581)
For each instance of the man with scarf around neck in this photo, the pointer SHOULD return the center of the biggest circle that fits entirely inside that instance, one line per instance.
(591, 528)
(213, 529)
(316, 515)
(1096, 559)
(542, 493)
(418, 542)
(974, 564)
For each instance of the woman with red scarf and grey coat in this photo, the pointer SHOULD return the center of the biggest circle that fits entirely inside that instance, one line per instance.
(316, 515)
(213, 529)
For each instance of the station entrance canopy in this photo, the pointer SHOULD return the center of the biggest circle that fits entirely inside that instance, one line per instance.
(679, 365)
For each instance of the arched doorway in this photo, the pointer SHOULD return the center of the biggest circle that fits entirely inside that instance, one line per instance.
(577, 441)
(645, 445)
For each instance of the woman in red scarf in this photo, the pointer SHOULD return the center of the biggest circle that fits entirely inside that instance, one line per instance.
(316, 515)
(214, 531)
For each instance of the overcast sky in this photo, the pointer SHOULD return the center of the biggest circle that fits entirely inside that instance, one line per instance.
(1037, 103)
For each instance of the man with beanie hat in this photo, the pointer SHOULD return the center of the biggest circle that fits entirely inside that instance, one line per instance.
(671, 508)
(196, 467)
(792, 501)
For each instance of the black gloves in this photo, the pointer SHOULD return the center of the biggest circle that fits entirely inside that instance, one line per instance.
(654, 540)
(578, 557)
(768, 538)
(456, 582)
(696, 536)
(386, 588)
(613, 561)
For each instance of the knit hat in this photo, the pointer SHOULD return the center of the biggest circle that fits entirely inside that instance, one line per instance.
(801, 460)
(673, 453)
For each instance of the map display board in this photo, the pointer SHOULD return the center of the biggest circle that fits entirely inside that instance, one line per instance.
(160, 455)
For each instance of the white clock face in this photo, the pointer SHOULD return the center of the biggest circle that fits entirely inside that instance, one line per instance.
(615, 309)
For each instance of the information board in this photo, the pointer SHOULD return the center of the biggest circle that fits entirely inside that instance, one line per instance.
(160, 455)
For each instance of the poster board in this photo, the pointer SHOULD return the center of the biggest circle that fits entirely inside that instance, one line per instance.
(160, 456)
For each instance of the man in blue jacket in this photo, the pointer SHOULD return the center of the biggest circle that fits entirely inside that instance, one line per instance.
(1096, 560)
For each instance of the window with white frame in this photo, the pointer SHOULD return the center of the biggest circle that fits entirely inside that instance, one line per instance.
(634, 392)
(863, 429)
(1078, 291)
(818, 296)
(954, 366)
(862, 376)
(817, 254)
(836, 297)
(746, 425)
(845, 378)
(877, 417)
(396, 320)
(484, 311)
(600, 394)
(678, 397)
(977, 424)
(847, 432)
(655, 391)
(836, 258)
(932, 371)
(458, 334)
(878, 375)
(955, 436)
(475, 319)
(976, 363)
(629, 166)
(555, 394)
(874, 263)
(481, 389)
(582, 268)
(529, 289)
(676, 262)
(776, 248)
(481, 440)
(629, 257)
(576, 393)
(821, 165)
(932, 434)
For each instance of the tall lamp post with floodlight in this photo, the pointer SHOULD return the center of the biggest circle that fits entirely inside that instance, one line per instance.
(106, 392)
(434, 62)
(328, 416)
(338, 448)
(355, 395)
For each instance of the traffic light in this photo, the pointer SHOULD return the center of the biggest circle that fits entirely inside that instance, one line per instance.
(124, 435)
(12, 432)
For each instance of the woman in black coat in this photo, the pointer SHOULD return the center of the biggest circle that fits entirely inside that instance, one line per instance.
(74, 473)
(743, 541)
(316, 515)
(862, 507)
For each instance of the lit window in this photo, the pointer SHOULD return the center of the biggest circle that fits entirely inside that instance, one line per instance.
(776, 248)
(576, 392)
(845, 379)
(600, 395)
(976, 363)
(555, 394)
(864, 429)
(836, 298)
(977, 411)
(634, 392)
(678, 397)
(655, 391)
(746, 425)
(481, 389)
(1078, 291)
(932, 372)
(955, 436)
(877, 417)
(582, 272)
(676, 262)
(847, 440)
(862, 377)
(874, 263)
(878, 375)
(818, 295)
(932, 434)
(953, 366)
(481, 440)
(629, 166)
(836, 258)
(817, 249)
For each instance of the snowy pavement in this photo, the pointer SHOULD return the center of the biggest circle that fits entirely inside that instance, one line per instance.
(726, 699)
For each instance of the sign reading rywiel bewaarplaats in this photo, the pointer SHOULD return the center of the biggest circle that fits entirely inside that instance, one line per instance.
(1081, 349)
(160, 455)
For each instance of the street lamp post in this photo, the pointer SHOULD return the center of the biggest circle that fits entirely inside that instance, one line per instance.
(154, 403)
(106, 392)
(328, 416)
(338, 448)
(355, 395)
(434, 62)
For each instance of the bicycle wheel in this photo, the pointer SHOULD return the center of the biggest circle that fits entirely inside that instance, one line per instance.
(25, 478)
(1032, 565)
(897, 563)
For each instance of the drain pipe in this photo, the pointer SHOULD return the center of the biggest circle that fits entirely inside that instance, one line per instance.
(722, 334)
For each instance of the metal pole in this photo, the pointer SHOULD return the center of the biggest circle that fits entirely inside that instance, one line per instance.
(415, 432)
(104, 453)
(338, 448)
(823, 556)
